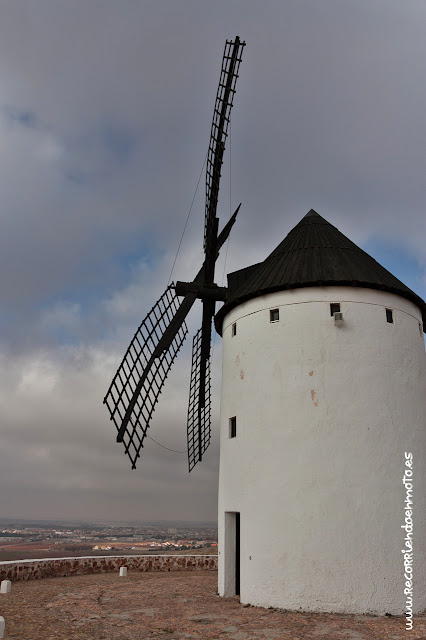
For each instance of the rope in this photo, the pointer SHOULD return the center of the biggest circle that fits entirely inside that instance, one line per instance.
(187, 218)
(162, 445)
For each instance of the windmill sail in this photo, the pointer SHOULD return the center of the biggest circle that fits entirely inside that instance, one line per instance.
(199, 412)
(199, 409)
(221, 116)
(134, 391)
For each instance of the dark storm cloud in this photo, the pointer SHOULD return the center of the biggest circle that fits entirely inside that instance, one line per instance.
(104, 125)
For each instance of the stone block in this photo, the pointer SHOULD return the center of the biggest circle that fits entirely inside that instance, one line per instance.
(5, 586)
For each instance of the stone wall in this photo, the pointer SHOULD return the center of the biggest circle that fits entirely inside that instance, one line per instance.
(62, 567)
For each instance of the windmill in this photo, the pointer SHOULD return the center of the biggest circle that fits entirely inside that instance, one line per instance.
(135, 389)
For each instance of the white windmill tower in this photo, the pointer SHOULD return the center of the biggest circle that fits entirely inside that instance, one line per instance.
(323, 392)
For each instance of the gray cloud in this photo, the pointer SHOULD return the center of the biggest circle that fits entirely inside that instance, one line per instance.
(104, 124)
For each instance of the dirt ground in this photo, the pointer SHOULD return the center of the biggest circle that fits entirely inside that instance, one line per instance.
(176, 605)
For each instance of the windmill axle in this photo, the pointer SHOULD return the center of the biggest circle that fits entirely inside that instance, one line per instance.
(203, 291)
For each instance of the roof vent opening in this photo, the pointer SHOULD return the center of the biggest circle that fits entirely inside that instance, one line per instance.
(233, 427)
(274, 315)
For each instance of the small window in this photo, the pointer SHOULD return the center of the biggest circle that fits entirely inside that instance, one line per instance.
(274, 315)
(234, 329)
(232, 427)
(389, 315)
(421, 330)
(334, 308)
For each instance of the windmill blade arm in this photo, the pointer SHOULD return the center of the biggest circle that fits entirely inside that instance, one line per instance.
(199, 407)
(224, 234)
(211, 292)
(175, 324)
(221, 116)
(134, 391)
(196, 287)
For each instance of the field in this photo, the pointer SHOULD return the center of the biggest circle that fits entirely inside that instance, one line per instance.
(33, 550)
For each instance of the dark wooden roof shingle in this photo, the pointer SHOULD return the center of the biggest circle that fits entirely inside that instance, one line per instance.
(314, 253)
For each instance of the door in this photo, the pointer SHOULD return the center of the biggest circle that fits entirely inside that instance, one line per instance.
(237, 554)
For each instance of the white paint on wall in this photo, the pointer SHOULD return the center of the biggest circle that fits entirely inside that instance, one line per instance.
(324, 416)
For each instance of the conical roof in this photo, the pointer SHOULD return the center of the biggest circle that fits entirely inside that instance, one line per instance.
(314, 253)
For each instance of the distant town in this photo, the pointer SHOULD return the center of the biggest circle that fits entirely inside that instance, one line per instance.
(30, 540)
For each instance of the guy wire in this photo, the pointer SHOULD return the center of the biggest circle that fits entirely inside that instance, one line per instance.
(162, 445)
(187, 218)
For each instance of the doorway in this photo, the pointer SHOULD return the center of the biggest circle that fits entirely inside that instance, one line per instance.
(232, 552)
(237, 554)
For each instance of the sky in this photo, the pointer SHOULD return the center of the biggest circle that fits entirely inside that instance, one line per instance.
(105, 115)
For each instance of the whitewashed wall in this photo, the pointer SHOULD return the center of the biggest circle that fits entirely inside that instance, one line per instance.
(324, 416)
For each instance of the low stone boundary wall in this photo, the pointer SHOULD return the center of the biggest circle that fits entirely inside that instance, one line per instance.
(62, 567)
